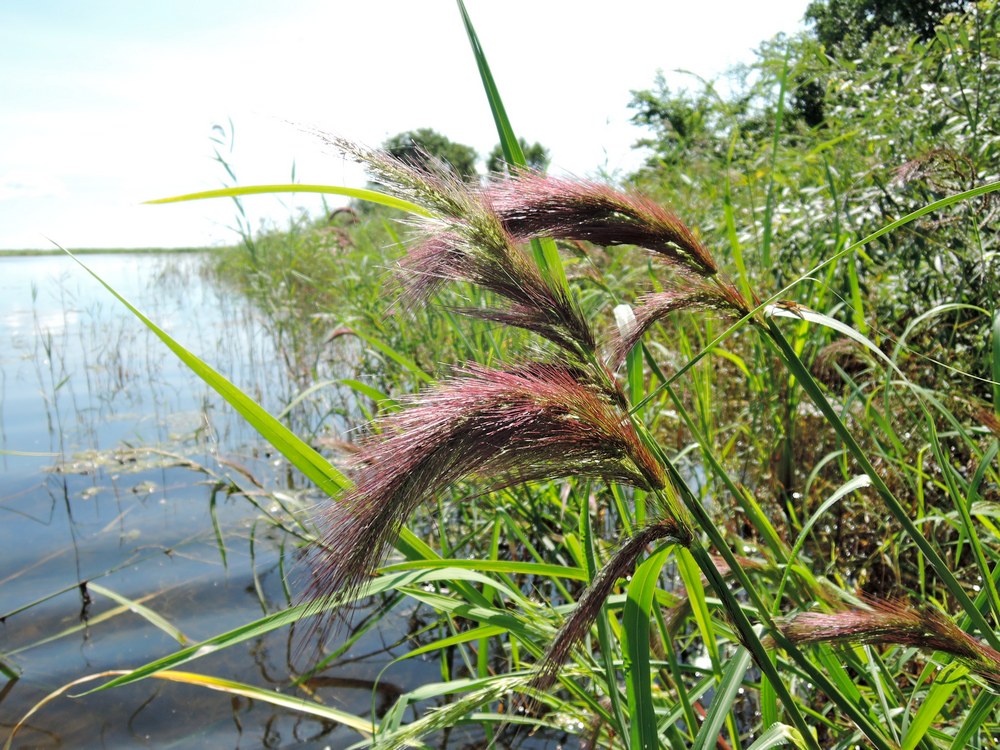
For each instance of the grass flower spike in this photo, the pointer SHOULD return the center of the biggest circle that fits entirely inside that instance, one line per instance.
(533, 422)
(535, 205)
(467, 241)
(893, 622)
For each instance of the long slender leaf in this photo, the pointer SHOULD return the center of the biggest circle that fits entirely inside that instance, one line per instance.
(372, 196)
(981, 710)
(995, 363)
(264, 625)
(722, 703)
(776, 735)
(947, 680)
(544, 250)
(302, 456)
(143, 611)
(635, 648)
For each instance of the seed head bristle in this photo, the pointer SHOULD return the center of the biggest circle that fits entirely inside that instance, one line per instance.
(538, 421)
(531, 204)
(895, 622)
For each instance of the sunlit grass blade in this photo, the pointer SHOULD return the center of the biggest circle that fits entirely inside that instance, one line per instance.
(995, 362)
(544, 250)
(980, 712)
(777, 735)
(78, 627)
(8, 669)
(542, 570)
(945, 683)
(467, 636)
(9, 743)
(635, 652)
(688, 569)
(765, 248)
(845, 489)
(395, 356)
(372, 196)
(300, 705)
(965, 505)
(264, 625)
(722, 703)
(270, 697)
(898, 511)
(302, 456)
(462, 699)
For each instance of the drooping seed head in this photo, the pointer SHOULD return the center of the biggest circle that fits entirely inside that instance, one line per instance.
(535, 205)
(534, 422)
(722, 298)
(895, 622)
(578, 624)
(467, 241)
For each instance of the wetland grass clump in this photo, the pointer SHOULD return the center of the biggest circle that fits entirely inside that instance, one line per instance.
(567, 415)
(638, 497)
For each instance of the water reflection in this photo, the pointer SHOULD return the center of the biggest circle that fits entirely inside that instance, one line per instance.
(126, 479)
(138, 515)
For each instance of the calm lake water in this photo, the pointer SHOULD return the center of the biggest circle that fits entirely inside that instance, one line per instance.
(117, 466)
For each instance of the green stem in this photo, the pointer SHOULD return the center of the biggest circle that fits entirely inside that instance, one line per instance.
(809, 385)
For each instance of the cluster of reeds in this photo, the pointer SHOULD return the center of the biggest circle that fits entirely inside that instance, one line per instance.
(585, 623)
(561, 412)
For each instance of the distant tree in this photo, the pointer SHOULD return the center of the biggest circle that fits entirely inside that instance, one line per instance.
(844, 26)
(535, 154)
(415, 146)
(679, 121)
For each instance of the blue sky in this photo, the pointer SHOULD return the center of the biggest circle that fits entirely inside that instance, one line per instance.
(104, 104)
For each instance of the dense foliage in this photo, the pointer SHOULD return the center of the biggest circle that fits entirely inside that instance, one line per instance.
(827, 138)
(762, 455)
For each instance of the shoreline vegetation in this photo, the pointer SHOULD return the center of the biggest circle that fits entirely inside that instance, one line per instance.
(707, 459)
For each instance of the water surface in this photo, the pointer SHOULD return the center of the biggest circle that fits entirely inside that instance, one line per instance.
(122, 477)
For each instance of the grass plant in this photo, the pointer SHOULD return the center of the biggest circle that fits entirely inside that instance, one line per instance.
(676, 517)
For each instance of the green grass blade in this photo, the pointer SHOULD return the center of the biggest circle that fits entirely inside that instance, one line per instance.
(944, 685)
(734, 240)
(635, 647)
(302, 456)
(264, 625)
(545, 252)
(900, 513)
(143, 611)
(981, 710)
(399, 359)
(856, 483)
(765, 250)
(327, 713)
(7, 669)
(965, 507)
(372, 196)
(364, 389)
(995, 365)
(732, 679)
(778, 734)
(688, 569)
(482, 632)
(542, 570)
